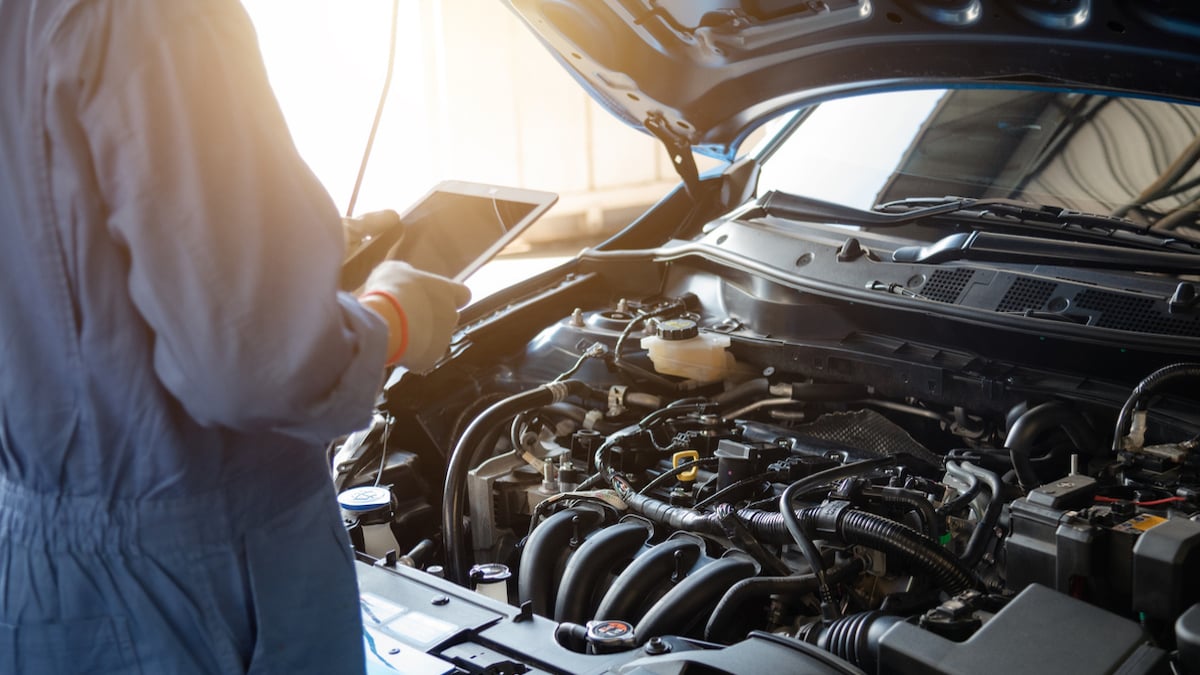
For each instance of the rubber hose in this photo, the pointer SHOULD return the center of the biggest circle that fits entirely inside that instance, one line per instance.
(868, 529)
(643, 400)
(798, 391)
(729, 608)
(690, 600)
(929, 518)
(648, 572)
(454, 492)
(758, 387)
(546, 545)
(743, 538)
(590, 563)
(855, 638)
(801, 537)
(568, 410)
(985, 529)
(670, 411)
(734, 489)
(818, 391)
(1146, 387)
(1037, 422)
(417, 554)
(864, 528)
(965, 497)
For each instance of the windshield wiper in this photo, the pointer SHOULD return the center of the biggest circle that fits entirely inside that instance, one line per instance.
(997, 211)
(1021, 213)
(796, 207)
(1015, 248)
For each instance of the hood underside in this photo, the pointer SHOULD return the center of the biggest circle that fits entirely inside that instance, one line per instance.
(706, 72)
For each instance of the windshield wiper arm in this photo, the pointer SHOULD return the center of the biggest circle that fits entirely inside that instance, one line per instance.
(998, 210)
(1000, 247)
(795, 207)
(1022, 212)
(912, 209)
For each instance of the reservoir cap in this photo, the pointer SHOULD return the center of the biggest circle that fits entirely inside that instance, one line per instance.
(607, 637)
(678, 329)
(368, 498)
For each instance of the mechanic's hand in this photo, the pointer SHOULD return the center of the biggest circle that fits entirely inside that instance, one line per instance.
(430, 305)
(368, 225)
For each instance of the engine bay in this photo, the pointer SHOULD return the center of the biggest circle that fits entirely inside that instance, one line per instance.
(731, 473)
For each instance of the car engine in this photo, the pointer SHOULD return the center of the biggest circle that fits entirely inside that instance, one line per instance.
(731, 474)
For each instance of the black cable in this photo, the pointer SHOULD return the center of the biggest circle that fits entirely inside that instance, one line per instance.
(1182, 187)
(618, 362)
(815, 494)
(728, 611)
(454, 492)
(794, 527)
(1034, 424)
(1180, 216)
(741, 537)
(1175, 171)
(574, 367)
(951, 506)
(387, 84)
(1152, 383)
(985, 529)
(663, 414)
(383, 447)
(848, 525)
(931, 524)
(707, 484)
(590, 482)
(667, 475)
(732, 488)
(1071, 122)
(515, 431)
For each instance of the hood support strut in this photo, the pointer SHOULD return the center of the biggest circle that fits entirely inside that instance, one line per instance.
(680, 151)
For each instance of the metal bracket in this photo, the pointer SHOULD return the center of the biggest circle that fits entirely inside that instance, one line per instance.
(680, 151)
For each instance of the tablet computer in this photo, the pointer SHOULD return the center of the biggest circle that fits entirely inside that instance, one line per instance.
(452, 231)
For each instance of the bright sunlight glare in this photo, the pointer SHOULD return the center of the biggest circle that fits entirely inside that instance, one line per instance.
(327, 62)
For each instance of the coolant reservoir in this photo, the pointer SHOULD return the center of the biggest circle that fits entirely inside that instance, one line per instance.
(680, 349)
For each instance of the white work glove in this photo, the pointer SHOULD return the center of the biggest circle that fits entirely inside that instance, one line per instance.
(368, 225)
(430, 304)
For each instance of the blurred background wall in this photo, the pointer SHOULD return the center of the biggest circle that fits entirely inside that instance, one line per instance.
(474, 97)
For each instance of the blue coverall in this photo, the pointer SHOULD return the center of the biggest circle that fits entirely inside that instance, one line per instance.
(173, 354)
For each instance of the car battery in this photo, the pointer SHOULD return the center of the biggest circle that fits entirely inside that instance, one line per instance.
(1111, 555)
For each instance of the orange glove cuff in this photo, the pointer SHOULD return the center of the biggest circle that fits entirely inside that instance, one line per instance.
(403, 346)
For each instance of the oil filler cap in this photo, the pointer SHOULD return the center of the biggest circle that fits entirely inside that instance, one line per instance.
(678, 329)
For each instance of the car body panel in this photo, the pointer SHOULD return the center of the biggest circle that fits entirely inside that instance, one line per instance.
(707, 72)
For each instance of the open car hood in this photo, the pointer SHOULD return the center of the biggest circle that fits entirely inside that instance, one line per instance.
(705, 73)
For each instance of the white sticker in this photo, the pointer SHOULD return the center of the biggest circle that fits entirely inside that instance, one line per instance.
(386, 654)
(420, 628)
(376, 611)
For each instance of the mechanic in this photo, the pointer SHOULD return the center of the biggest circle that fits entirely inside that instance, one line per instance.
(174, 353)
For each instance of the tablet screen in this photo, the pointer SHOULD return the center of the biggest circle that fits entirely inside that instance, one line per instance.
(452, 231)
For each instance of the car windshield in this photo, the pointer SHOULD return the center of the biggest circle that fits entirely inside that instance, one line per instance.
(1132, 158)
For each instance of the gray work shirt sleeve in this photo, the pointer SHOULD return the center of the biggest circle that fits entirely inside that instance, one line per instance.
(234, 246)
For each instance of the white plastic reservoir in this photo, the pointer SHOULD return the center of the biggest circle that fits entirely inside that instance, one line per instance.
(680, 349)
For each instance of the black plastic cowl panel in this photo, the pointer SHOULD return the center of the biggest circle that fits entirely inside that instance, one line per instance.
(1040, 631)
